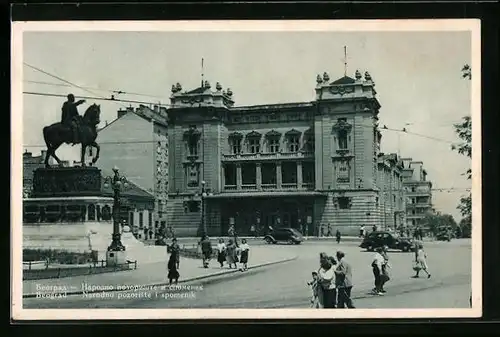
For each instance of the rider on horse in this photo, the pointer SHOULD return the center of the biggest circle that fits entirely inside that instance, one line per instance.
(70, 116)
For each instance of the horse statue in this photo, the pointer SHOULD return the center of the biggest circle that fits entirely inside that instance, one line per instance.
(57, 134)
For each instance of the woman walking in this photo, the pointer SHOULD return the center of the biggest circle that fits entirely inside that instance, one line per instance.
(377, 262)
(173, 273)
(421, 262)
(326, 281)
(231, 254)
(206, 250)
(244, 249)
(221, 252)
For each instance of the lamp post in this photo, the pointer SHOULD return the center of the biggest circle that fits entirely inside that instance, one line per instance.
(203, 195)
(116, 182)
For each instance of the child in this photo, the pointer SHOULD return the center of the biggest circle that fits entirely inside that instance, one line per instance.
(314, 289)
(338, 235)
(421, 262)
(221, 252)
(173, 274)
(244, 248)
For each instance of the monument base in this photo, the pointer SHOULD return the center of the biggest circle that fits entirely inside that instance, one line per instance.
(116, 258)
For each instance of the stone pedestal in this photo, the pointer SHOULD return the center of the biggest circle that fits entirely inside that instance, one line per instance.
(66, 182)
(115, 258)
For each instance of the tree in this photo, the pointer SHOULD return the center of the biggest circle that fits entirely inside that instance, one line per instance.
(436, 222)
(464, 132)
(466, 227)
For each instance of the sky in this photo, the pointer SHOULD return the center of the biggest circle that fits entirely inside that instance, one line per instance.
(417, 77)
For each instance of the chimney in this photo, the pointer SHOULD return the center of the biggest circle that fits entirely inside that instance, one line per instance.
(43, 154)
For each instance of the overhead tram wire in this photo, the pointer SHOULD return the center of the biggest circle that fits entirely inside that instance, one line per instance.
(121, 92)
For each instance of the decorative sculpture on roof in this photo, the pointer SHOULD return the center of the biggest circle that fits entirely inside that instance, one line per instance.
(178, 87)
(319, 80)
(326, 78)
(368, 77)
(174, 89)
(218, 86)
(207, 85)
(357, 75)
(229, 92)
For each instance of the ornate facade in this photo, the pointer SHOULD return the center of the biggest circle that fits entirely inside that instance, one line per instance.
(295, 165)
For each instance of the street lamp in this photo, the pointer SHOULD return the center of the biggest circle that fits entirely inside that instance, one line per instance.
(203, 195)
(116, 182)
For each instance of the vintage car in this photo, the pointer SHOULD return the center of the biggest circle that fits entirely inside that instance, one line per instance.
(443, 236)
(389, 239)
(289, 235)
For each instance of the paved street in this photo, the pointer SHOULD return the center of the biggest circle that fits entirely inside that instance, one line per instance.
(284, 285)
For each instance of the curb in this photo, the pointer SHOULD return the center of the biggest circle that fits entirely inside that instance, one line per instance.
(196, 278)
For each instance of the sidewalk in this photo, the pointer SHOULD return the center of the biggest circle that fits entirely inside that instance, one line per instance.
(151, 274)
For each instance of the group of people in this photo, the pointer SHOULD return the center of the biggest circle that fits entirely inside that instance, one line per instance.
(233, 253)
(331, 284)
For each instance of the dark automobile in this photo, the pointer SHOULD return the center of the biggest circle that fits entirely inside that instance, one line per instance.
(443, 236)
(289, 235)
(391, 240)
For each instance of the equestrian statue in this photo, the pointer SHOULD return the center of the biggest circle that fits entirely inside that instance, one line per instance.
(73, 129)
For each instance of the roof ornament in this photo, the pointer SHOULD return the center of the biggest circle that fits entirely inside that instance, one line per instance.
(207, 85)
(229, 92)
(178, 86)
(357, 75)
(368, 77)
(326, 78)
(319, 80)
(218, 86)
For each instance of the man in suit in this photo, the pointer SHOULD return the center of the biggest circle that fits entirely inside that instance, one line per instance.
(343, 282)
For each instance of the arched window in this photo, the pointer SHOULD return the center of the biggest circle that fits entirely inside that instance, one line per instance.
(106, 213)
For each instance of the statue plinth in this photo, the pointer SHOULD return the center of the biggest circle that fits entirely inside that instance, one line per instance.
(66, 182)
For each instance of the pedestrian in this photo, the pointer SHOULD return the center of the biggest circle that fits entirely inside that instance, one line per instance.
(206, 250)
(221, 252)
(245, 250)
(374, 228)
(377, 262)
(326, 281)
(175, 250)
(362, 231)
(421, 262)
(322, 229)
(385, 268)
(252, 231)
(314, 290)
(338, 236)
(231, 255)
(329, 232)
(173, 273)
(343, 282)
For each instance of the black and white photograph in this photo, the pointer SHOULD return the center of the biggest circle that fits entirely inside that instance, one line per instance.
(230, 169)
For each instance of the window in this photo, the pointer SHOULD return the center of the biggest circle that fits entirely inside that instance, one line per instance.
(193, 176)
(413, 189)
(293, 143)
(274, 145)
(394, 198)
(343, 171)
(309, 144)
(344, 202)
(342, 139)
(141, 220)
(193, 206)
(193, 146)
(254, 145)
(235, 144)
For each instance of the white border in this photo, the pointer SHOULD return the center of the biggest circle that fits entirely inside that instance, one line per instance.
(18, 313)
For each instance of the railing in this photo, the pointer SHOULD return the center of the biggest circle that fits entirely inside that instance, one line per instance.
(289, 186)
(230, 187)
(308, 186)
(248, 187)
(267, 156)
(267, 187)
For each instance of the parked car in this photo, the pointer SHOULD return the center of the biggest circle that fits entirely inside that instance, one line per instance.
(384, 238)
(289, 235)
(443, 236)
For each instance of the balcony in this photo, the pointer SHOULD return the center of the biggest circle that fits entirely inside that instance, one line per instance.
(270, 187)
(267, 156)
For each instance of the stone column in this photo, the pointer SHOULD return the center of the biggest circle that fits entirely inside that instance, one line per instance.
(258, 174)
(299, 174)
(238, 176)
(278, 175)
(223, 177)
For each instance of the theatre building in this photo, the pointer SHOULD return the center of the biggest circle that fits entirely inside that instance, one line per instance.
(284, 165)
